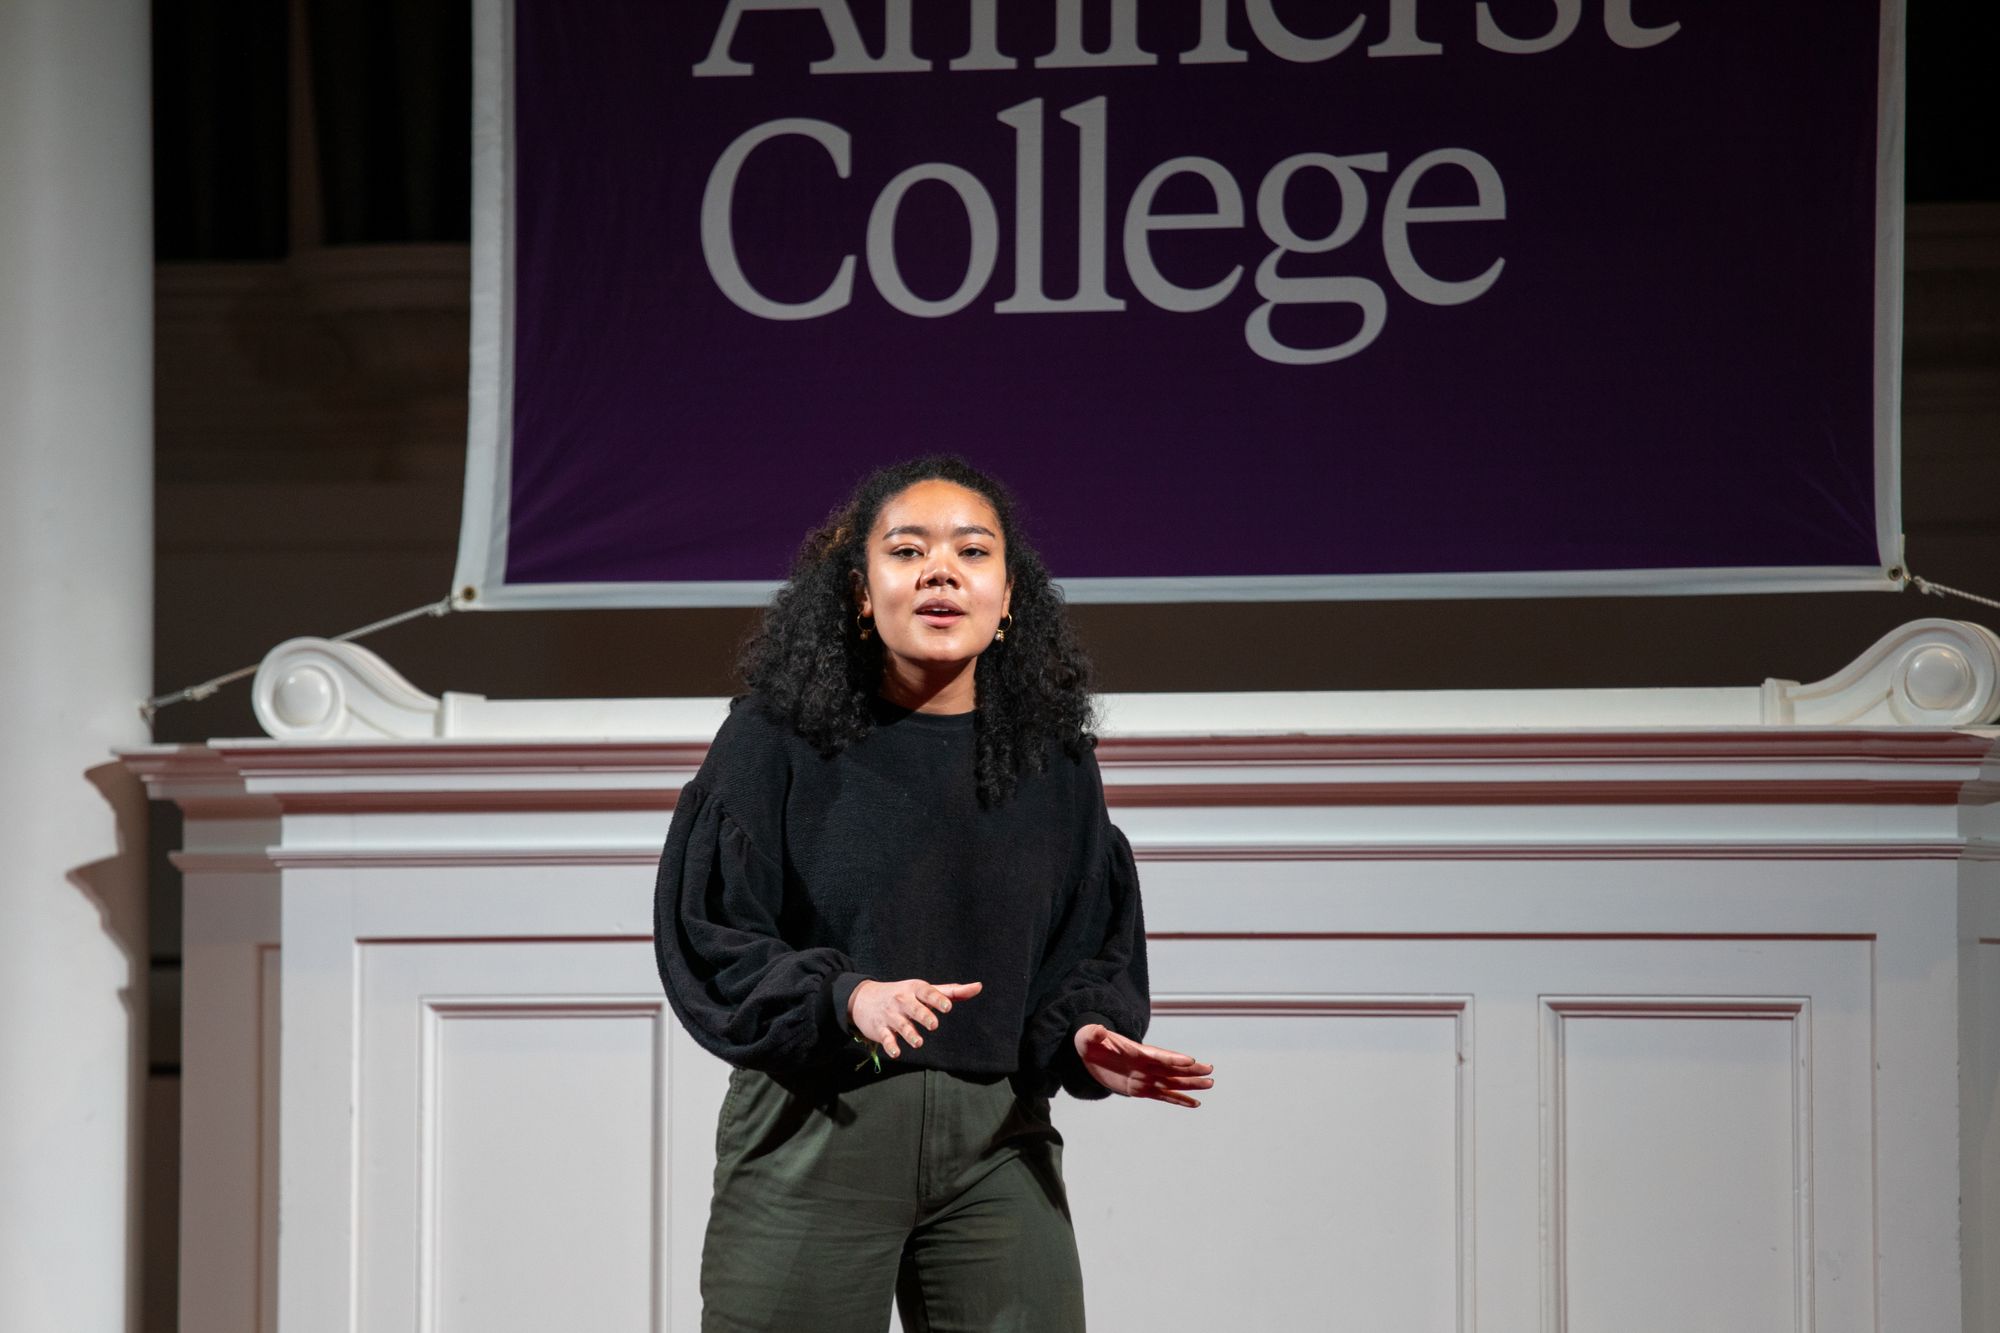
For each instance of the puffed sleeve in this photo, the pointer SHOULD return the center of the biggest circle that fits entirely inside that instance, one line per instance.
(1095, 967)
(733, 982)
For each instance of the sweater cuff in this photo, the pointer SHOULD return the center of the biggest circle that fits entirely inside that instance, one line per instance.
(844, 985)
(1084, 1021)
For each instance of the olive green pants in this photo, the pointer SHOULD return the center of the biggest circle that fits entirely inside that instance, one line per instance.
(942, 1192)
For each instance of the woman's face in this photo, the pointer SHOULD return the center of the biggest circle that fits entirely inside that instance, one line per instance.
(937, 585)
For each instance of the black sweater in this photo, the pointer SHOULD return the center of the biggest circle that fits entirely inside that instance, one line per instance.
(787, 879)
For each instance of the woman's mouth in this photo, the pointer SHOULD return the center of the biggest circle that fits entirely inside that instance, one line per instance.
(940, 613)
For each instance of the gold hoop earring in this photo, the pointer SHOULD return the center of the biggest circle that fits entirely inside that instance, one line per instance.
(1001, 635)
(860, 628)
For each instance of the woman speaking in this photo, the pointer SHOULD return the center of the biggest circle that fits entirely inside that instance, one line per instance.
(893, 900)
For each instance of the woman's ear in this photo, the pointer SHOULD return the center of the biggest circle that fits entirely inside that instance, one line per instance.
(859, 586)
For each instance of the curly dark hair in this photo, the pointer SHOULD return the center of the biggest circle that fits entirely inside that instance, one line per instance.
(1031, 690)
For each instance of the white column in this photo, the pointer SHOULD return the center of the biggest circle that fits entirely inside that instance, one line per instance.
(76, 430)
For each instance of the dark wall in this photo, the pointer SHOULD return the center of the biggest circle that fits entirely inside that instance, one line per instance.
(392, 89)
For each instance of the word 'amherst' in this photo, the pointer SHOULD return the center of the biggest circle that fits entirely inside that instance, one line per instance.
(851, 55)
(1141, 220)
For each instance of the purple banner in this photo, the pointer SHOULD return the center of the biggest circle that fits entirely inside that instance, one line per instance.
(1242, 297)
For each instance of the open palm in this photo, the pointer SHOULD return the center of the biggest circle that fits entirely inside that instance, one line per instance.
(1134, 1069)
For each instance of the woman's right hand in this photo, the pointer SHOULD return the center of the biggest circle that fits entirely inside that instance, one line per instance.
(881, 1010)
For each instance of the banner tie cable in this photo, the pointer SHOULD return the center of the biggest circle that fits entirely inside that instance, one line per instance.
(1924, 585)
(151, 707)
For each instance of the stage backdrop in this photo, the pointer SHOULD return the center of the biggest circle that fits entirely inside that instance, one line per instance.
(1244, 298)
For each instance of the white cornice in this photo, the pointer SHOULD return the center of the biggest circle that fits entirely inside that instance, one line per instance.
(647, 854)
(1765, 766)
(1745, 793)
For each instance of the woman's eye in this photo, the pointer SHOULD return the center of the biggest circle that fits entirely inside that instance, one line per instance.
(904, 550)
(975, 550)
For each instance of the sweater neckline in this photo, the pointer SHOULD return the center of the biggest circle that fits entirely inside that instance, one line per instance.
(892, 714)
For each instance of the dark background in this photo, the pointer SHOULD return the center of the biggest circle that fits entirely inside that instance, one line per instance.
(392, 93)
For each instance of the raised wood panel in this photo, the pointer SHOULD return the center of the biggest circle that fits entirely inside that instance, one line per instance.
(1326, 1188)
(517, 1155)
(541, 1126)
(1723, 1041)
(1679, 1164)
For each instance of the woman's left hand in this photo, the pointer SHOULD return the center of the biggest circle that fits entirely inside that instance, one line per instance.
(1134, 1069)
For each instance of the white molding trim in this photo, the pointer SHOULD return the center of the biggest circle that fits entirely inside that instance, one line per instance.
(1917, 766)
(1729, 794)
(647, 854)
